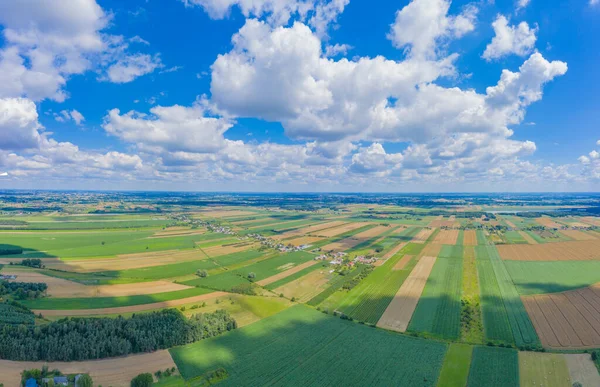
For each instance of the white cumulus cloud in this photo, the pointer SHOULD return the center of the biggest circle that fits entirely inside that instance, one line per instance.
(518, 40)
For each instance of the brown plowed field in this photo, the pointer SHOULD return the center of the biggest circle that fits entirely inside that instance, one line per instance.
(578, 235)
(350, 242)
(115, 372)
(559, 251)
(401, 264)
(567, 320)
(470, 238)
(528, 238)
(446, 237)
(333, 231)
(250, 221)
(309, 230)
(399, 312)
(423, 235)
(286, 273)
(548, 222)
(130, 309)
(510, 224)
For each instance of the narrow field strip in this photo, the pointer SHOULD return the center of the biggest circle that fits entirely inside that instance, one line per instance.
(528, 238)
(129, 309)
(400, 310)
(470, 238)
(111, 302)
(369, 299)
(439, 307)
(522, 328)
(471, 316)
(447, 237)
(495, 317)
(286, 273)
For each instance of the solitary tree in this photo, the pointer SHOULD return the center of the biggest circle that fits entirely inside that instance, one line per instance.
(142, 380)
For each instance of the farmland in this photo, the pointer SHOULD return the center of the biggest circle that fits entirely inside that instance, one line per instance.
(493, 367)
(352, 294)
(328, 349)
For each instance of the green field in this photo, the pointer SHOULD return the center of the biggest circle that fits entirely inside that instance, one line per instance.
(111, 302)
(394, 239)
(471, 319)
(263, 269)
(543, 369)
(334, 285)
(368, 300)
(514, 237)
(495, 317)
(455, 370)
(494, 367)
(98, 244)
(538, 277)
(438, 310)
(522, 329)
(301, 346)
(481, 240)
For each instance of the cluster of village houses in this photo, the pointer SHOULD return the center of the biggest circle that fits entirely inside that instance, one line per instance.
(334, 258)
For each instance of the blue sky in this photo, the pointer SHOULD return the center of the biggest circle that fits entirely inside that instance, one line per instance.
(300, 95)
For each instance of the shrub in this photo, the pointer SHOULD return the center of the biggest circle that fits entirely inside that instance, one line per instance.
(142, 380)
(85, 380)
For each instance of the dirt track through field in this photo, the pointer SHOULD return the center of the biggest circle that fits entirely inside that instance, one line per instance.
(130, 309)
(350, 242)
(400, 310)
(559, 251)
(333, 231)
(115, 372)
(567, 320)
(423, 235)
(528, 238)
(578, 235)
(446, 237)
(470, 238)
(286, 273)
(582, 369)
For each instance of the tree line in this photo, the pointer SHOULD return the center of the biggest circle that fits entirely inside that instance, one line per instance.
(23, 290)
(73, 339)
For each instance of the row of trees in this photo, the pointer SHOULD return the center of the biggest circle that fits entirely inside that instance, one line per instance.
(73, 339)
